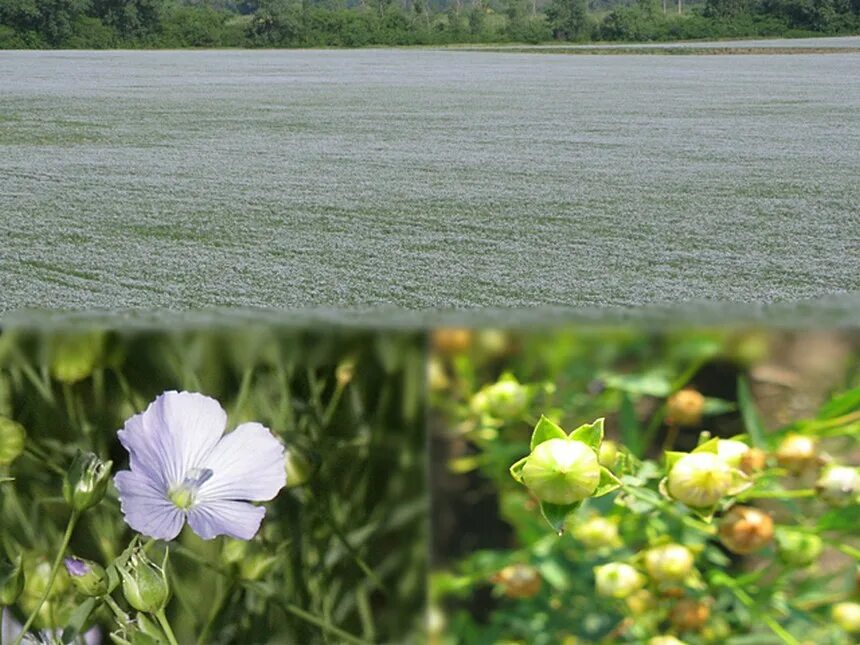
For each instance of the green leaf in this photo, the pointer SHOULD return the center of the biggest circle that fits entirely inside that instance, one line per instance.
(556, 514)
(517, 469)
(544, 431)
(752, 421)
(608, 483)
(671, 457)
(631, 432)
(841, 405)
(590, 434)
(708, 446)
(78, 619)
(714, 406)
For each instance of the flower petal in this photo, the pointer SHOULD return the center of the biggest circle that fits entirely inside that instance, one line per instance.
(221, 517)
(173, 435)
(247, 464)
(145, 506)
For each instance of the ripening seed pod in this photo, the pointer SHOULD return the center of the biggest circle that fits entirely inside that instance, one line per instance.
(505, 399)
(608, 454)
(732, 451)
(753, 460)
(562, 471)
(597, 532)
(89, 577)
(640, 602)
(685, 408)
(669, 562)
(690, 615)
(518, 581)
(86, 481)
(700, 479)
(839, 485)
(744, 530)
(617, 580)
(797, 453)
(665, 640)
(144, 583)
(12, 437)
(798, 548)
(847, 616)
(75, 357)
(451, 340)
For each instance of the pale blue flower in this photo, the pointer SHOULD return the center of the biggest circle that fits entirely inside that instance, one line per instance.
(183, 467)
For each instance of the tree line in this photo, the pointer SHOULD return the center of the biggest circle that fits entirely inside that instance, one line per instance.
(99, 24)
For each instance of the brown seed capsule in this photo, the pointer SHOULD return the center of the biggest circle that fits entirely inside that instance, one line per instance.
(690, 615)
(685, 408)
(753, 460)
(518, 581)
(452, 340)
(745, 529)
(797, 453)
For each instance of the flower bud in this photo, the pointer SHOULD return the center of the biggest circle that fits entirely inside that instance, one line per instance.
(753, 460)
(505, 399)
(11, 581)
(684, 408)
(344, 372)
(745, 529)
(597, 532)
(518, 581)
(75, 357)
(562, 471)
(797, 453)
(300, 466)
(700, 479)
(12, 436)
(669, 562)
(617, 580)
(144, 583)
(847, 616)
(839, 485)
(689, 615)
(798, 548)
(732, 451)
(86, 481)
(608, 454)
(88, 577)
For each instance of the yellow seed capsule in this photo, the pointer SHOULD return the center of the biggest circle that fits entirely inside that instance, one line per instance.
(847, 616)
(617, 580)
(669, 562)
(839, 485)
(699, 479)
(753, 460)
(597, 532)
(732, 451)
(665, 640)
(451, 340)
(797, 453)
(689, 615)
(518, 581)
(562, 471)
(685, 408)
(745, 529)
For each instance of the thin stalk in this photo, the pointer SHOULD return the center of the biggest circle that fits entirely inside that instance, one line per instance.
(767, 619)
(165, 625)
(67, 536)
(778, 494)
(670, 508)
(115, 608)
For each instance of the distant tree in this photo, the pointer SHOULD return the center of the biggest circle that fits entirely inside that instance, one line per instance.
(51, 21)
(139, 20)
(568, 19)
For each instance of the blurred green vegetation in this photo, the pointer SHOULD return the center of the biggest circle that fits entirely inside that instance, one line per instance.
(501, 575)
(342, 550)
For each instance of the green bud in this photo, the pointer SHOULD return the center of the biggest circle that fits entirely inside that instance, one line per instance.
(847, 616)
(608, 454)
(669, 562)
(75, 357)
(700, 479)
(89, 577)
(798, 548)
(144, 583)
(86, 481)
(255, 566)
(597, 532)
(562, 471)
(617, 580)
(11, 581)
(839, 485)
(234, 551)
(300, 467)
(12, 437)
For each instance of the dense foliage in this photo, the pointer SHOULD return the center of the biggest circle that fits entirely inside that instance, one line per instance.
(340, 553)
(102, 24)
(626, 487)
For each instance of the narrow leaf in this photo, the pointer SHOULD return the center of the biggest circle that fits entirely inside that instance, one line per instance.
(556, 514)
(608, 483)
(750, 415)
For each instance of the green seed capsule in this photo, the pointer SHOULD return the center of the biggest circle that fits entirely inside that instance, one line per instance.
(617, 580)
(847, 616)
(700, 479)
(561, 471)
(839, 485)
(669, 562)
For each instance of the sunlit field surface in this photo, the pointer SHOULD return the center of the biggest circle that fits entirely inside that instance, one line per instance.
(424, 179)
(340, 556)
(726, 509)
